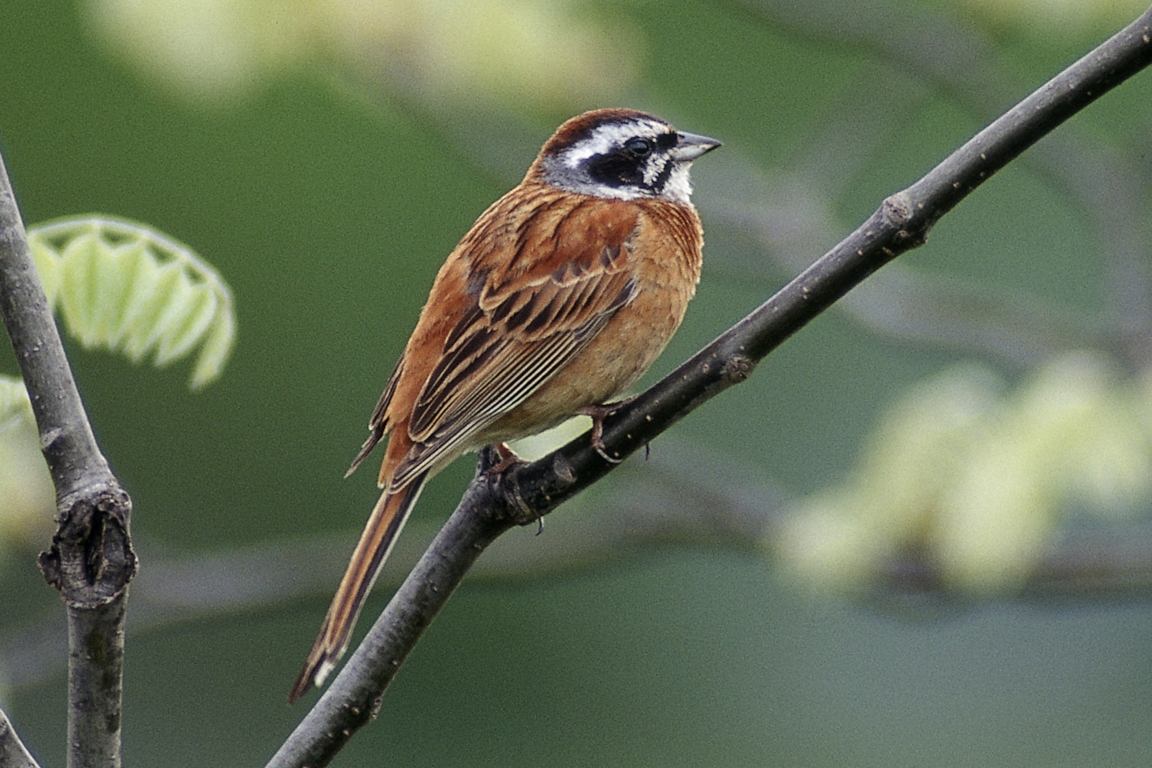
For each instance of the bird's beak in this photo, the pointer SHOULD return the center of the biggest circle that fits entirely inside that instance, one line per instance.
(690, 146)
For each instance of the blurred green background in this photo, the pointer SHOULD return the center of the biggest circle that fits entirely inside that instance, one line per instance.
(326, 156)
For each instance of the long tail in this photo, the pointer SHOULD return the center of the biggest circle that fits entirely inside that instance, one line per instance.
(384, 526)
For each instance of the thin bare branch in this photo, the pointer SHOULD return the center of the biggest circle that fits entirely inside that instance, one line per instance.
(922, 50)
(91, 559)
(13, 753)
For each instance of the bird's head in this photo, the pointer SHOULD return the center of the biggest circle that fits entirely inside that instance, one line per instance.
(621, 154)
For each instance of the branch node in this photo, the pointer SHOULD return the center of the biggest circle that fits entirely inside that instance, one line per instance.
(737, 368)
(519, 510)
(91, 560)
(896, 210)
(565, 473)
(49, 437)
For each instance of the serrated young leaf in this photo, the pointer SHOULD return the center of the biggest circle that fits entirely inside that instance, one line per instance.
(188, 328)
(215, 351)
(140, 274)
(78, 299)
(125, 286)
(109, 288)
(146, 333)
(48, 265)
(14, 404)
(162, 309)
(177, 298)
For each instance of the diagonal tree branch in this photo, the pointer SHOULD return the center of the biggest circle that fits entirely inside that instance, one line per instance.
(13, 753)
(91, 559)
(492, 505)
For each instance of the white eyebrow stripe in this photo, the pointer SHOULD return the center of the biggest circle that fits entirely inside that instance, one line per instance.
(606, 137)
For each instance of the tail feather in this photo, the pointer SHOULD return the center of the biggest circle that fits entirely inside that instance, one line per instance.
(380, 534)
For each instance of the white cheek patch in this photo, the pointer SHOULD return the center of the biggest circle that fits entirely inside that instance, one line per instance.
(678, 187)
(653, 168)
(607, 137)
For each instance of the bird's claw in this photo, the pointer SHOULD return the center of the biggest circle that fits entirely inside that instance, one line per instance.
(598, 413)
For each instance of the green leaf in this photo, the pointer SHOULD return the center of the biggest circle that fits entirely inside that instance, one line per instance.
(125, 287)
(188, 327)
(215, 351)
(150, 322)
(79, 289)
(14, 404)
(139, 272)
(48, 264)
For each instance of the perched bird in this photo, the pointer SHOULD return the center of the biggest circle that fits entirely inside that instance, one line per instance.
(556, 301)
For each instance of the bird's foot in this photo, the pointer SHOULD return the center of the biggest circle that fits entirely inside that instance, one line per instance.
(508, 459)
(598, 414)
(503, 460)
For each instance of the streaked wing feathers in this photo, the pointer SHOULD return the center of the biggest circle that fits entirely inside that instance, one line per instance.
(378, 425)
(520, 332)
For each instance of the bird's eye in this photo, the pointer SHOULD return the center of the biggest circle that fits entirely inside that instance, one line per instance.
(638, 146)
